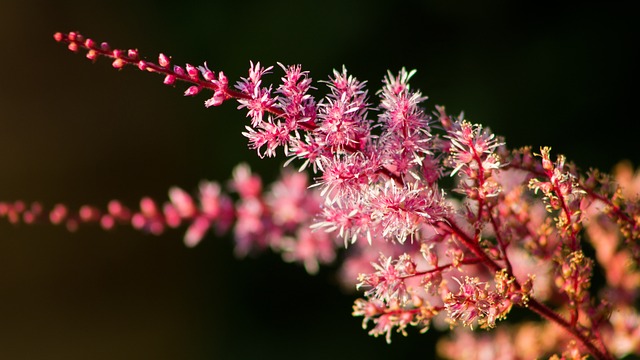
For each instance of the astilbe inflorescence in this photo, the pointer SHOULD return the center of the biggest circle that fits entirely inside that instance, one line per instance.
(511, 232)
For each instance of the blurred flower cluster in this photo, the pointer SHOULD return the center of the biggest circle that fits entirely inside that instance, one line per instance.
(518, 230)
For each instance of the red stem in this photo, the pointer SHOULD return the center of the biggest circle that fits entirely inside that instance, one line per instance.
(533, 304)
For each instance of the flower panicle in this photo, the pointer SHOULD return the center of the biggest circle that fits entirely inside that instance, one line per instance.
(210, 208)
(377, 178)
(197, 77)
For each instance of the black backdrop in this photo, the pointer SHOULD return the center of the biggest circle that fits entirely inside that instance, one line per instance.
(563, 76)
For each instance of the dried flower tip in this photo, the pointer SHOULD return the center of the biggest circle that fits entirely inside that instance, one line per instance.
(163, 60)
(192, 90)
(169, 80)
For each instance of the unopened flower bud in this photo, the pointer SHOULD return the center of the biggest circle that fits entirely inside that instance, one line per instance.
(178, 70)
(417, 300)
(133, 54)
(107, 222)
(192, 71)
(138, 221)
(90, 43)
(216, 100)
(118, 63)
(163, 60)
(208, 75)
(192, 90)
(169, 79)
(105, 47)
(92, 55)
(148, 207)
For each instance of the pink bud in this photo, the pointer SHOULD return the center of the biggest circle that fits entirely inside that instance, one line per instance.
(156, 228)
(107, 222)
(87, 214)
(58, 36)
(28, 217)
(163, 60)
(19, 206)
(216, 100)
(208, 75)
(148, 207)
(36, 208)
(142, 65)
(92, 55)
(169, 79)
(192, 71)
(196, 231)
(72, 36)
(183, 202)
(105, 47)
(222, 78)
(178, 70)
(171, 215)
(90, 43)
(133, 54)
(58, 214)
(118, 211)
(79, 38)
(72, 225)
(138, 221)
(118, 63)
(73, 47)
(192, 90)
(4, 208)
(117, 53)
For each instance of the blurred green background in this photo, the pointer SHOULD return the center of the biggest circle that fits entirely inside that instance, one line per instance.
(564, 76)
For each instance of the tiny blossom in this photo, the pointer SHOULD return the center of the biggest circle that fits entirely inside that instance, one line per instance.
(388, 282)
(401, 211)
(476, 302)
(259, 97)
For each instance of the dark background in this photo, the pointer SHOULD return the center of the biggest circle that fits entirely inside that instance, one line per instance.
(563, 76)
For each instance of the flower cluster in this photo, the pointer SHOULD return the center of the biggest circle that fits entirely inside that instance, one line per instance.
(510, 233)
